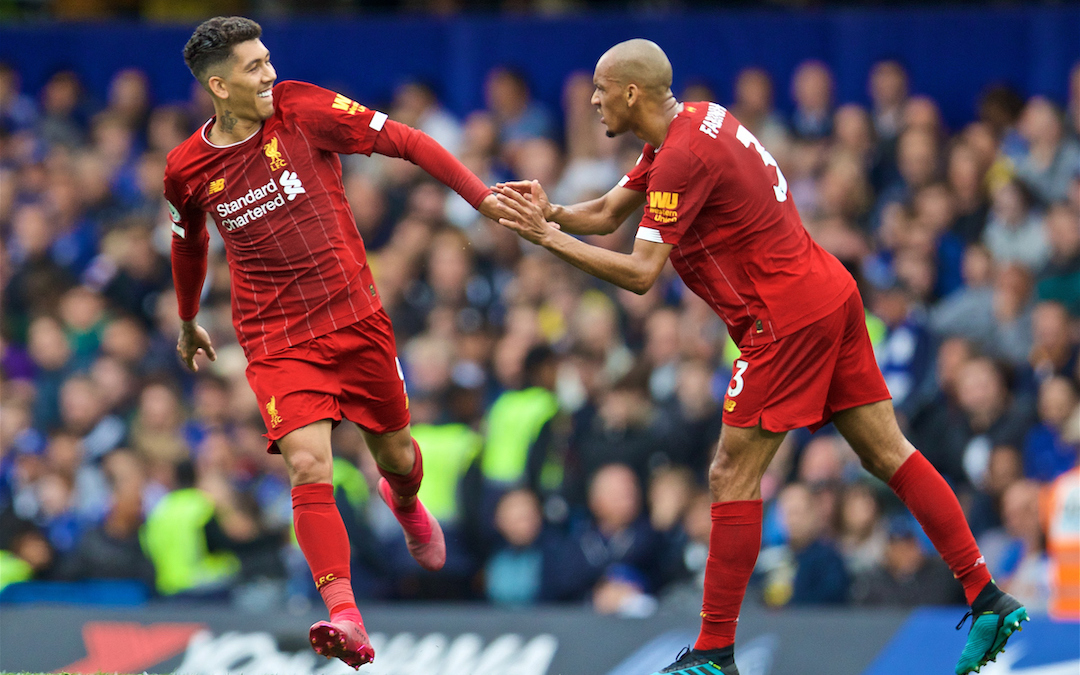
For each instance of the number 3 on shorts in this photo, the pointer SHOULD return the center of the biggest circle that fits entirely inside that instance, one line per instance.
(736, 378)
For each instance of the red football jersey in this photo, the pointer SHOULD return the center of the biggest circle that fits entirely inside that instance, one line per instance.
(717, 196)
(298, 265)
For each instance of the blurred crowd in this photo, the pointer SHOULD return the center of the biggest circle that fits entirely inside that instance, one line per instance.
(566, 425)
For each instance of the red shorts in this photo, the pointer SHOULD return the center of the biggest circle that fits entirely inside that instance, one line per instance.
(802, 379)
(352, 373)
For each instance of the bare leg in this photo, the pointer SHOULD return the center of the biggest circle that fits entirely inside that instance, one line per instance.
(740, 461)
(875, 436)
(395, 454)
(735, 540)
(307, 454)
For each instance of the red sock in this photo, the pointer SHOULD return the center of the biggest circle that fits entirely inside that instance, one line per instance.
(406, 485)
(324, 541)
(932, 501)
(734, 543)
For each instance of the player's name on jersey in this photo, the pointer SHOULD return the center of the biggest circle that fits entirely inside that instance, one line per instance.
(261, 200)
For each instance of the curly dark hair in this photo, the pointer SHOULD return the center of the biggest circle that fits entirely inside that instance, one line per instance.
(212, 42)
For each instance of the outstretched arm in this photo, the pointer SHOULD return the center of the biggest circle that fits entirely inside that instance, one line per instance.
(602, 215)
(400, 140)
(635, 272)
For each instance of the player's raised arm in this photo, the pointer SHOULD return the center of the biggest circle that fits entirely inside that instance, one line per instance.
(339, 124)
(635, 272)
(602, 215)
(400, 140)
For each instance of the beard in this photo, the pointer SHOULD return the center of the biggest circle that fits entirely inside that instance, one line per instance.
(609, 133)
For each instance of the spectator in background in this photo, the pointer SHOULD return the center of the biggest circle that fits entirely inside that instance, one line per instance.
(62, 120)
(167, 128)
(998, 321)
(888, 94)
(512, 457)
(1059, 279)
(623, 430)
(922, 112)
(517, 116)
(112, 550)
(615, 533)
(965, 177)
(1055, 348)
(37, 281)
(155, 429)
(812, 91)
(1051, 448)
(1014, 232)
(907, 576)
(174, 538)
(17, 110)
(591, 161)
(51, 353)
(1052, 159)
(1000, 107)
(129, 99)
(1017, 549)
(513, 574)
(917, 166)
(692, 420)
(958, 440)
(1006, 467)
(862, 534)
(753, 107)
(905, 355)
(806, 569)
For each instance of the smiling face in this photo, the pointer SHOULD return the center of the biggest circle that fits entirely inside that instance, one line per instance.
(245, 81)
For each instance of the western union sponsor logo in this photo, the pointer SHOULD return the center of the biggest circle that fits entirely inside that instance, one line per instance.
(664, 200)
(664, 206)
(347, 105)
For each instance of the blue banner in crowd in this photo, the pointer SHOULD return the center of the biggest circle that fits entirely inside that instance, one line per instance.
(951, 53)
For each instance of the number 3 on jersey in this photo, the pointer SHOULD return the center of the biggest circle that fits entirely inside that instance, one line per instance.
(736, 386)
(748, 139)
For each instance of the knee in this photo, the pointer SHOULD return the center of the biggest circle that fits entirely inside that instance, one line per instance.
(728, 477)
(882, 462)
(393, 451)
(307, 467)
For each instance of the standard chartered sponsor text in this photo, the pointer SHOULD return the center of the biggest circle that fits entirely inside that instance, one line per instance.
(259, 202)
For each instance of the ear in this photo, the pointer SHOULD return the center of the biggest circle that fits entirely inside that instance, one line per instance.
(632, 94)
(217, 87)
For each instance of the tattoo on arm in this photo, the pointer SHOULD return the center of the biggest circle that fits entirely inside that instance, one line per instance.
(228, 121)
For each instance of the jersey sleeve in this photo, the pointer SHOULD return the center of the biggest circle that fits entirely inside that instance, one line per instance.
(190, 244)
(637, 178)
(333, 121)
(676, 192)
(400, 140)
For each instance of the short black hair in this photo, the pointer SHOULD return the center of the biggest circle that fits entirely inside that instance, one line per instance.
(212, 42)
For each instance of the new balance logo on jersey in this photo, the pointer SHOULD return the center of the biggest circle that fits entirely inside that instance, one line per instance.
(291, 185)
